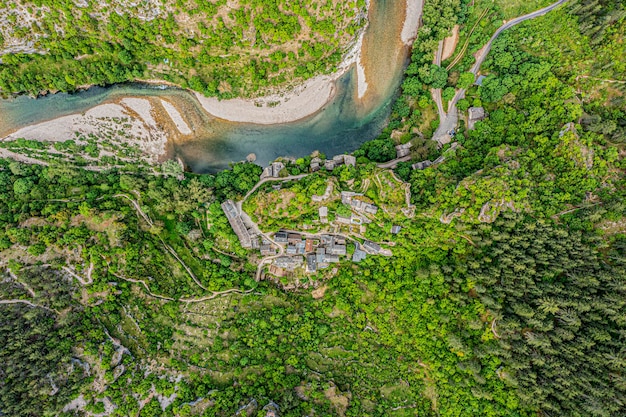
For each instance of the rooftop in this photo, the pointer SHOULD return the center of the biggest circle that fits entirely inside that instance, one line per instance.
(476, 113)
(371, 246)
(230, 210)
(358, 255)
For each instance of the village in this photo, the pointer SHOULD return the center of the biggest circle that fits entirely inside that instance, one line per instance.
(288, 252)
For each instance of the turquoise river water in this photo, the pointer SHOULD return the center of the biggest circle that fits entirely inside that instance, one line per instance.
(341, 126)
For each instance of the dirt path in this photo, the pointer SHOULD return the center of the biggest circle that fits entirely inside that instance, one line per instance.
(5, 153)
(136, 205)
(436, 92)
(167, 247)
(87, 281)
(171, 250)
(493, 329)
(143, 283)
(263, 181)
(466, 44)
(23, 284)
(264, 261)
(255, 227)
(214, 294)
(407, 192)
(606, 80)
(28, 303)
(450, 43)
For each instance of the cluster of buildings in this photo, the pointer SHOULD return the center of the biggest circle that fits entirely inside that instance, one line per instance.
(425, 164)
(248, 238)
(245, 236)
(403, 150)
(330, 164)
(422, 165)
(311, 253)
(351, 199)
(273, 170)
(317, 253)
(359, 205)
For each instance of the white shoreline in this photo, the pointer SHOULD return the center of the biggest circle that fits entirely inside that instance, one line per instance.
(103, 119)
(303, 101)
(142, 107)
(361, 78)
(63, 128)
(176, 117)
(411, 21)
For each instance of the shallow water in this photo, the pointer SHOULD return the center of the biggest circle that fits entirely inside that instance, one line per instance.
(22, 111)
(341, 126)
(336, 129)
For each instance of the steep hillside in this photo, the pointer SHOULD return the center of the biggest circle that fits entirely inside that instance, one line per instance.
(221, 48)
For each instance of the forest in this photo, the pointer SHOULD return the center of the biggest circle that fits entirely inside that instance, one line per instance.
(219, 48)
(126, 292)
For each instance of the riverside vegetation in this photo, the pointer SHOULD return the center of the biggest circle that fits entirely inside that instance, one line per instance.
(127, 293)
(219, 48)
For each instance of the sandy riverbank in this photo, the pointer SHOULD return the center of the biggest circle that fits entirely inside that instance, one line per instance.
(157, 125)
(294, 105)
(130, 121)
(176, 117)
(412, 20)
(64, 128)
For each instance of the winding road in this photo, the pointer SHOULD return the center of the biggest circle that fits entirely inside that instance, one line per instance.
(87, 281)
(269, 179)
(451, 118)
(509, 24)
(255, 227)
(436, 92)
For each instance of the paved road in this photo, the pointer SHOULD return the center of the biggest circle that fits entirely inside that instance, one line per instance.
(263, 181)
(450, 121)
(509, 24)
(485, 50)
(394, 162)
(436, 92)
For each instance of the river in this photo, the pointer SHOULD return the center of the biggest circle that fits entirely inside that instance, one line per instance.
(341, 126)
